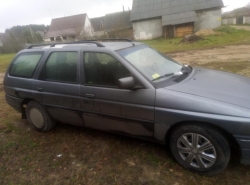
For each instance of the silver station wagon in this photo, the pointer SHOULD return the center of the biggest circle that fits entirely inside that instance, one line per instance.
(126, 87)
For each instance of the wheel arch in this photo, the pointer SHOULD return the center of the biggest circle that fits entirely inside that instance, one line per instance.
(231, 139)
(23, 105)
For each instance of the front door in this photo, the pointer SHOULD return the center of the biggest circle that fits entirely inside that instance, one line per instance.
(109, 108)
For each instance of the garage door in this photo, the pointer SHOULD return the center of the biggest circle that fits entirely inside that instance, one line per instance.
(183, 30)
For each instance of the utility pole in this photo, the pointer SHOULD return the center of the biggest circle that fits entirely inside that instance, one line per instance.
(32, 34)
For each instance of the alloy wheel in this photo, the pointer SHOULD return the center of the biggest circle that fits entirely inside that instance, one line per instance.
(196, 150)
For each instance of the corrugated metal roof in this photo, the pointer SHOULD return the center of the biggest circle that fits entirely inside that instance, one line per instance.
(112, 22)
(66, 26)
(117, 21)
(147, 9)
(97, 23)
(179, 18)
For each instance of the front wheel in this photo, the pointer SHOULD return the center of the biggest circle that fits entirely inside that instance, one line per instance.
(200, 149)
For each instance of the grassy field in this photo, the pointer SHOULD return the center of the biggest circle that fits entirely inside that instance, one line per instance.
(75, 155)
(4, 61)
(227, 36)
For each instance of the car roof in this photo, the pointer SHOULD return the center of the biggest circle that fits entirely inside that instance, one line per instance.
(113, 45)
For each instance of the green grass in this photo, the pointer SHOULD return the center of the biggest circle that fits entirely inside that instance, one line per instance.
(5, 60)
(227, 36)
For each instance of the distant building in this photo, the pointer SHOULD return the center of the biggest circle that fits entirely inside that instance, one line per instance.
(174, 18)
(116, 25)
(98, 26)
(237, 16)
(69, 28)
(2, 37)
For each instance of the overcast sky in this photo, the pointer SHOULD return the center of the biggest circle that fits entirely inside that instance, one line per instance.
(24, 12)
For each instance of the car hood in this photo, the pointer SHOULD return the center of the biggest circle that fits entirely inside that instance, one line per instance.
(217, 85)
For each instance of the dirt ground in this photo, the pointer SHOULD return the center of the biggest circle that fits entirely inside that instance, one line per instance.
(241, 27)
(1, 77)
(1, 80)
(235, 53)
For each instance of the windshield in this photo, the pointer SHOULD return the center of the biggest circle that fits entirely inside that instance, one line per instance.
(152, 64)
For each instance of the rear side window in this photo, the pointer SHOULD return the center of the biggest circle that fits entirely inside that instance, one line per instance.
(62, 67)
(25, 64)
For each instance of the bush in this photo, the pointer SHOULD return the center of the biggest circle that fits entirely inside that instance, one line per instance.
(226, 29)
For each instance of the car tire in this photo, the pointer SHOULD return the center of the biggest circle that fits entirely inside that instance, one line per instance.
(38, 117)
(200, 149)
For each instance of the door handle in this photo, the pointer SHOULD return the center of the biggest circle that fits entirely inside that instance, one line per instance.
(39, 89)
(90, 96)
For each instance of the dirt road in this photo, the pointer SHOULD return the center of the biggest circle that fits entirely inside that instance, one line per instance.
(242, 27)
(237, 53)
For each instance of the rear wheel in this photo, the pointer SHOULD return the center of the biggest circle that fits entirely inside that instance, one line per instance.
(38, 117)
(200, 149)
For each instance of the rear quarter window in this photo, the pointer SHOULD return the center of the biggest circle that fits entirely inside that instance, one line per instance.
(25, 65)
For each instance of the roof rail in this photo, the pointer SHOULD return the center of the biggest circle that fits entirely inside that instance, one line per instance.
(96, 42)
(115, 39)
(75, 42)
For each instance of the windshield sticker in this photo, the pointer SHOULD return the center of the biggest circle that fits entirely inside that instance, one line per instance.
(155, 76)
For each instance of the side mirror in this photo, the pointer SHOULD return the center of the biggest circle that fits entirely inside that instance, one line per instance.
(126, 83)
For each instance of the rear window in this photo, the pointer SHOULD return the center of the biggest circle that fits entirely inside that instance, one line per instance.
(25, 64)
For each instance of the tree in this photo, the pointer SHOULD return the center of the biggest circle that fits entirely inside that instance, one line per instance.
(248, 5)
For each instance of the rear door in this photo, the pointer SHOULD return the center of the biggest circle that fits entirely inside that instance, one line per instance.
(57, 87)
(107, 107)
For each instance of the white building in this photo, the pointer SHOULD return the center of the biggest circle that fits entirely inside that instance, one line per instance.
(237, 16)
(69, 28)
(174, 18)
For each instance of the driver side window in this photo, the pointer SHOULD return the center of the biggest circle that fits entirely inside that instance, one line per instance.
(103, 70)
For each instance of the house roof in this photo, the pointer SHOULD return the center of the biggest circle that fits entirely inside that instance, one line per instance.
(117, 21)
(237, 12)
(66, 26)
(172, 11)
(97, 23)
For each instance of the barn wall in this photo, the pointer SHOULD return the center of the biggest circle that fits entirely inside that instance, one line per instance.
(208, 19)
(184, 29)
(246, 20)
(148, 29)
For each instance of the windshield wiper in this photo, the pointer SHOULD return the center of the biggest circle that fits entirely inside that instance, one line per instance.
(170, 74)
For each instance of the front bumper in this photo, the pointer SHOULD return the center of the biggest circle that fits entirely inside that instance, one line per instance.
(244, 143)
